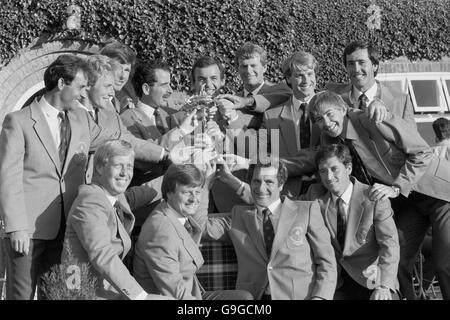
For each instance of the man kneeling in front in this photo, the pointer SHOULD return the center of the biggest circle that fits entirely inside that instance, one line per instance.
(100, 222)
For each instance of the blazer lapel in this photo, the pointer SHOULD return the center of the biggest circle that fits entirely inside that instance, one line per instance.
(330, 218)
(147, 123)
(251, 224)
(189, 243)
(287, 128)
(75, 138)
(43, 132)
(354, 214)
(288, 214)
(365, 146)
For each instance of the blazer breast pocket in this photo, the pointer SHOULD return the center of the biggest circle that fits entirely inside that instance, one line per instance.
(364, 234)
(81, 153)
(295, 238)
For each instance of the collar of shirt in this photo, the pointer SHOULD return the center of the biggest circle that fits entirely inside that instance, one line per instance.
(51, 117)
(49, 110)
(346, 196)
(296, 103)
(370, 93)
(111, 199)
(82, 106)
(274, 208)
(149, 111)
(254, 92)
(180, 218)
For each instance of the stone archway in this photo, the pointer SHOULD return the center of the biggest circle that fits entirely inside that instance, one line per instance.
(23, 76)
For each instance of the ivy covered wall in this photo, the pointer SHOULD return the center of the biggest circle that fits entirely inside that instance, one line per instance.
(182, 30)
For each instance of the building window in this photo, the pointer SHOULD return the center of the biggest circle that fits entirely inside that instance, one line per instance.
(429, 92)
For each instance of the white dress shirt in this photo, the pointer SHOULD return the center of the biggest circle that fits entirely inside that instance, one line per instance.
(53, 121)
(346, 196)
(370, 94)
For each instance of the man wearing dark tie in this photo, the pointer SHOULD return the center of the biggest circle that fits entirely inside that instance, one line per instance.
(362, 61)
(43, 153)
(405, 170)
(151, 118)
(363, 232)
(167, 254)
(100, 222)
(283, 248)
(122, 60)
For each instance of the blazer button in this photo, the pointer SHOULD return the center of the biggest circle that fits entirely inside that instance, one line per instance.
(270, 268)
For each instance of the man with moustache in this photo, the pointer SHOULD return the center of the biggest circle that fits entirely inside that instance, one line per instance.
(362, 61)
(100, 222)
(167, 254)
(96, 101)
(403, 168)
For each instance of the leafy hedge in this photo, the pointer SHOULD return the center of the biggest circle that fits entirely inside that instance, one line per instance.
(182, 30)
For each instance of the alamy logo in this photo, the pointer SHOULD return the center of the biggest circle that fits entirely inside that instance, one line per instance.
(73, 281)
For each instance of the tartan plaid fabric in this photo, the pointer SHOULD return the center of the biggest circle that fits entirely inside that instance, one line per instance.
(219, 271)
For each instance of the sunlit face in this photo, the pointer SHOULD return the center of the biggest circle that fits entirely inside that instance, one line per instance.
(360, 69)
(121, 73)
(264, 186)
(159, 93)
(102, 91)
(208, 78)
(185, 199)
(335, 176)
(252, 72)
(116, 175)
(73, 91)
(303, 82)
(330, 119)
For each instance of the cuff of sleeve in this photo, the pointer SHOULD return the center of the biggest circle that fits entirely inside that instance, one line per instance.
(164, 155)
(141, 296)
(240, 190)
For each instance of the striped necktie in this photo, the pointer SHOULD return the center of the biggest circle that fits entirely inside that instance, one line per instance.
(268, 231)
(64, 129)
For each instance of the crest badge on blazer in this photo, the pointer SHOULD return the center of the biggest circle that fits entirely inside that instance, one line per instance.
(80, 156)
(296, 236)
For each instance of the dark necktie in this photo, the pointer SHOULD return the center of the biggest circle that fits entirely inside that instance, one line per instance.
(268, 231)
(158, 122)
(189, 227)
(359, 170)
(305, 131)
(119, 211)
(363, 102)
(341, 222)
(64, 129)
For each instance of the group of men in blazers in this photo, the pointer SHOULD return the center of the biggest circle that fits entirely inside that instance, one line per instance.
(348, 237)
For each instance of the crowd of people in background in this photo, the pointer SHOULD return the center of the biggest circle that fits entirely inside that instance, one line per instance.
(323, 195)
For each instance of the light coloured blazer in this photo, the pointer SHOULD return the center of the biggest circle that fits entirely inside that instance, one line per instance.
(371, 237)
(167, 257)
(141, 126)
(32, 185)
(397, 155)
(302, 264)
(95, 235)
(268, 96)
(398, 103)
(145, 151)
